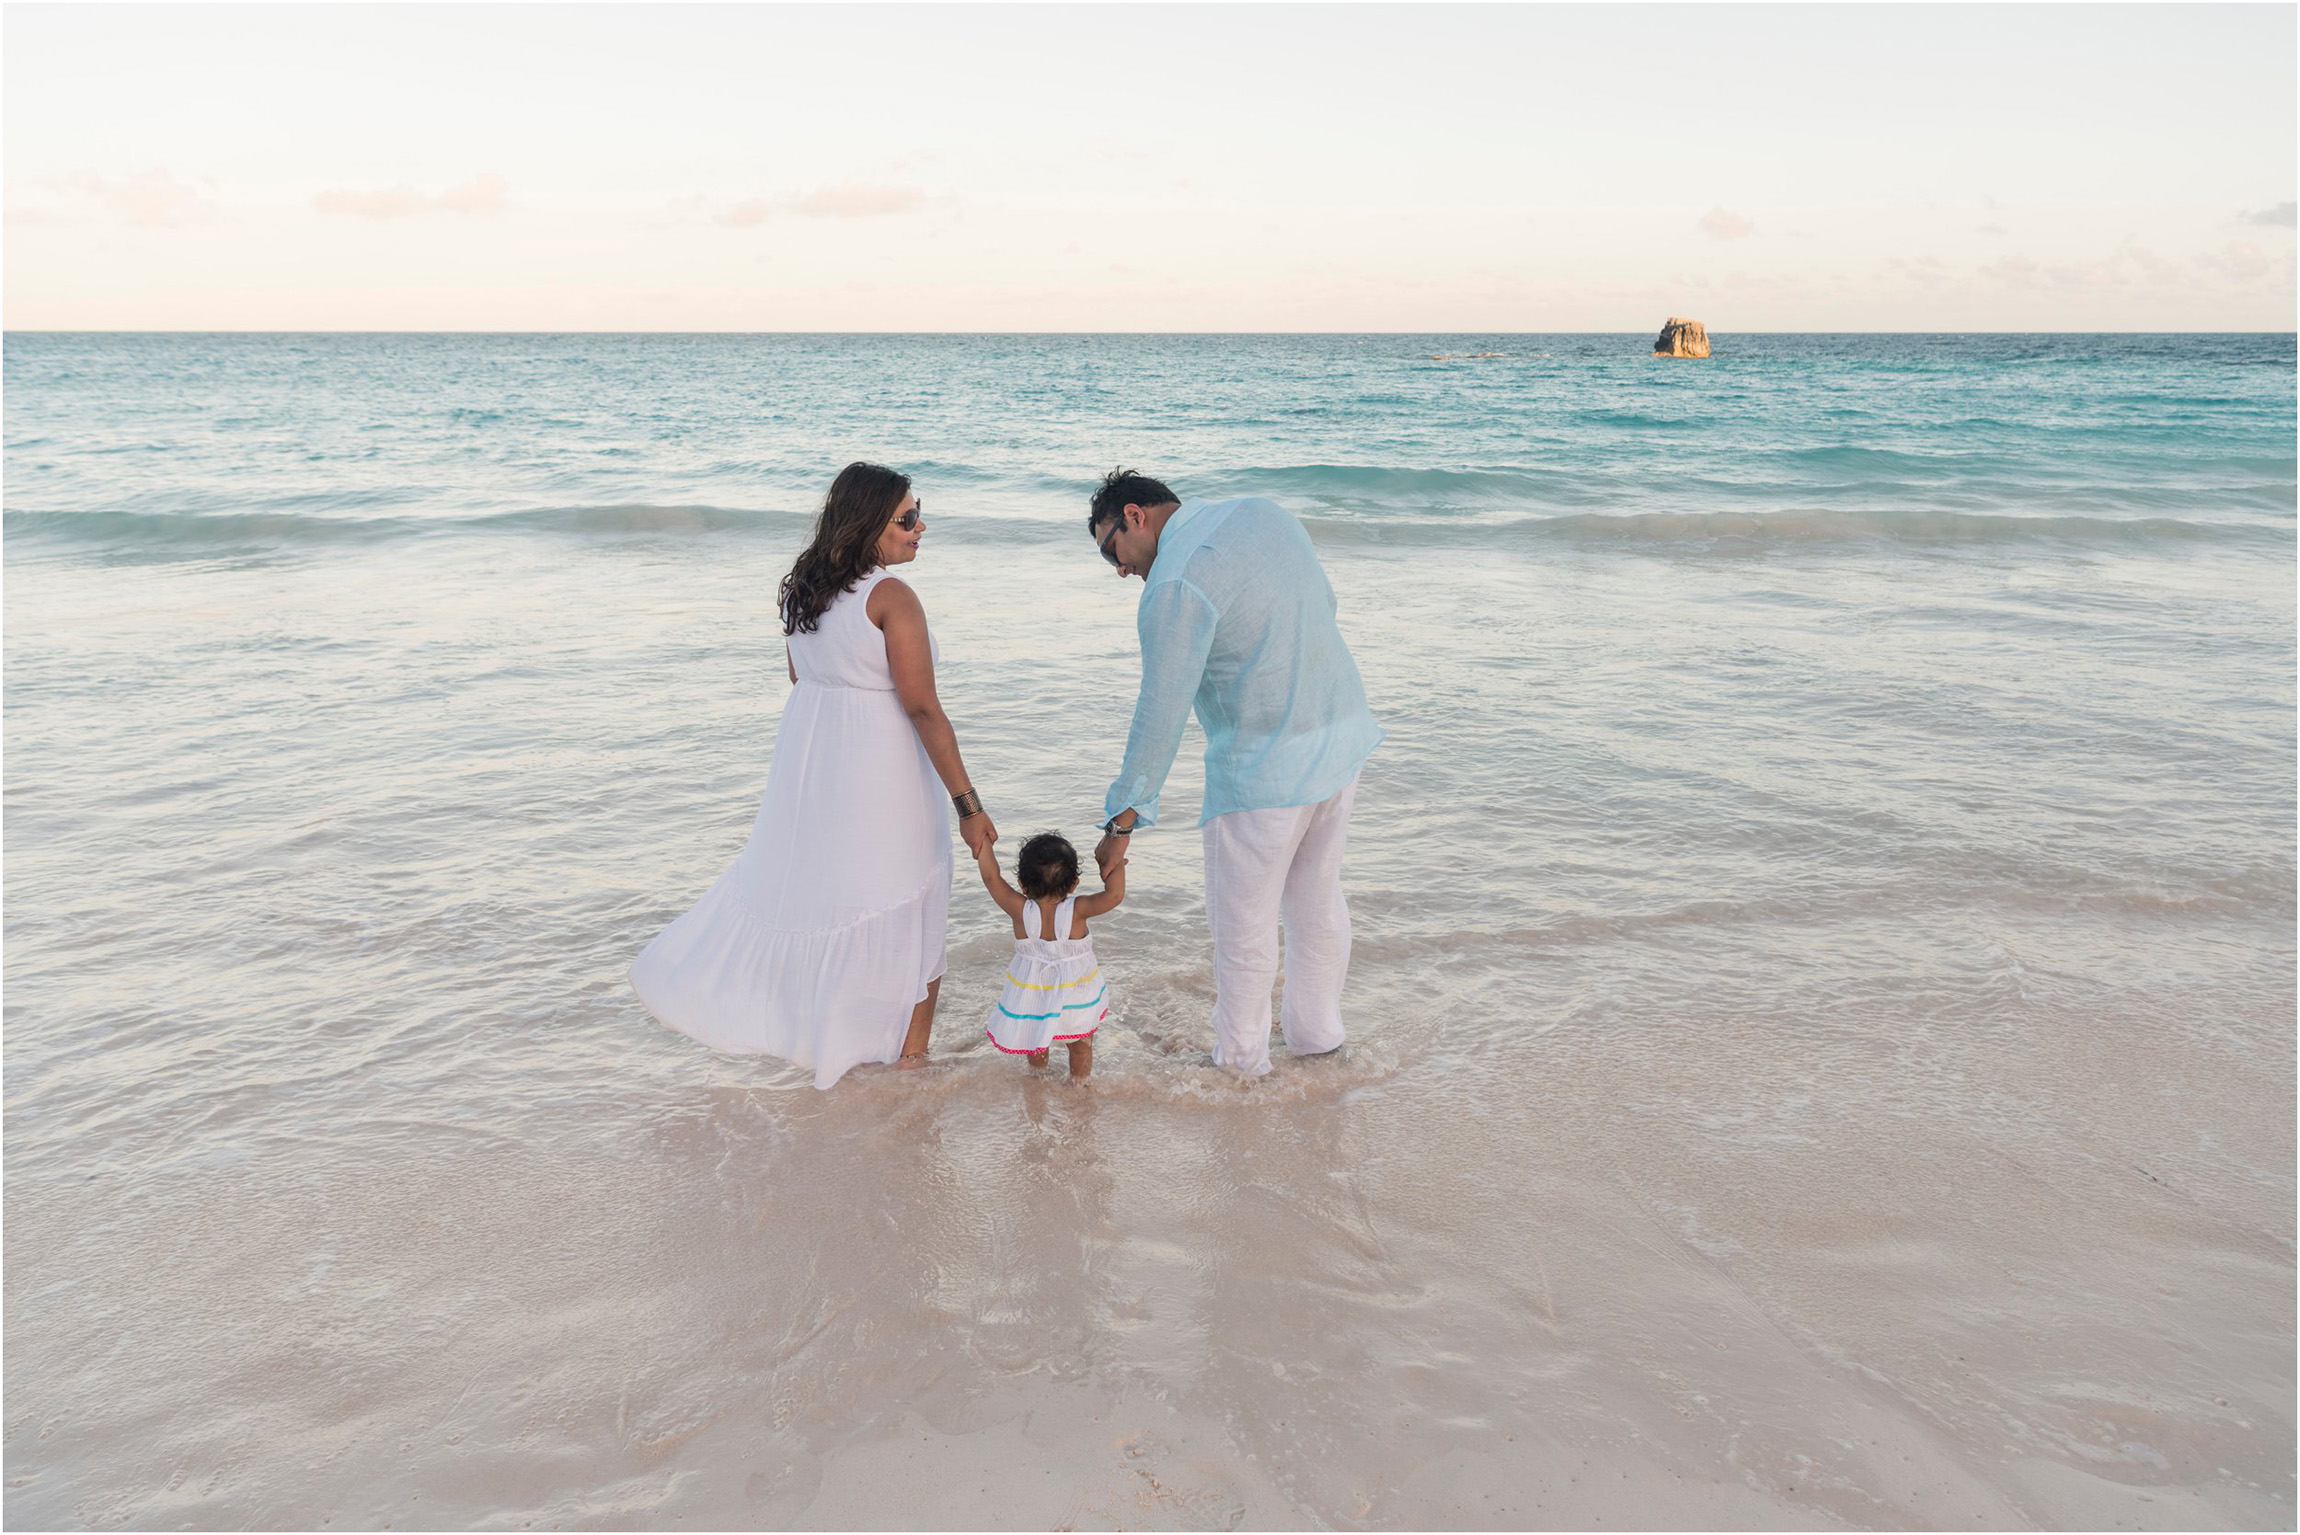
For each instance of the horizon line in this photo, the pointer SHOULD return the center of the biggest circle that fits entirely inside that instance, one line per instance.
(348, 331)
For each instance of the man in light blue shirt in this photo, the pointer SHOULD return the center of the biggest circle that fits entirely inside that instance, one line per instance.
(1237, 620)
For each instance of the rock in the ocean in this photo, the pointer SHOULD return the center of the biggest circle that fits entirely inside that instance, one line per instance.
(1682, 338)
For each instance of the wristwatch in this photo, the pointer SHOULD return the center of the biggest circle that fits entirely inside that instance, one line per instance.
(1112, 827)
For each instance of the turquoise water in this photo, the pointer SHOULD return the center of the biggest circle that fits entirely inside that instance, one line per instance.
(1829, 888)
(1893, 433)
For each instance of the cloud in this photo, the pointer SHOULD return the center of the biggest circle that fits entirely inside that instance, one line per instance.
(847, 200)
(2152, 266)
(1991, 229)
(2281, 216)
(853, 200)
(2015, 268)
(486, 193)
(2241, 261)
(1929, 271)
(1718, 224)
(152, 199)
(2128, 264)
(744, 214)
(2107, 272)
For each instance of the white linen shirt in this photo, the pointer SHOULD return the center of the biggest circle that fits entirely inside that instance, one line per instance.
(1237, 618)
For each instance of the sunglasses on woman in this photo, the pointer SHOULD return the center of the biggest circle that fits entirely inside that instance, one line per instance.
(908, 521)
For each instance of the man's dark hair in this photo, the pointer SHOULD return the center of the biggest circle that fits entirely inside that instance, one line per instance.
(1120, 489)
(1048, 866)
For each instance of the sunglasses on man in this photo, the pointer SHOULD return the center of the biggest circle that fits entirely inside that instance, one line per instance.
(1108, 544)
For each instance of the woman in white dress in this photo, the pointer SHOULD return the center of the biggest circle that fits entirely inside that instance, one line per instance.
(823, 941)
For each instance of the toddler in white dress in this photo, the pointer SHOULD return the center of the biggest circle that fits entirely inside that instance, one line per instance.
(1054, 992)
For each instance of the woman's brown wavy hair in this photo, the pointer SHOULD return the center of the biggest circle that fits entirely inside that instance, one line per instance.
(845, 547)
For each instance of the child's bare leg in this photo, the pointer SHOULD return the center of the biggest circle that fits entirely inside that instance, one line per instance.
(921, 1028)
(1081, 1059)
(1037, 1057)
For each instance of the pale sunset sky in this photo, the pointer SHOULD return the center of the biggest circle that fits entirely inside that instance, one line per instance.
(1145, 168)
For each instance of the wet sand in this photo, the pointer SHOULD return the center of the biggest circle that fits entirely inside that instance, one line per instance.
(1165, 1300)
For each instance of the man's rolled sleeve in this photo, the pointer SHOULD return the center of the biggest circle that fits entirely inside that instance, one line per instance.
(1176, 627)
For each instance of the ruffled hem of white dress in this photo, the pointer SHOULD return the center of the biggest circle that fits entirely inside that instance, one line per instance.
(1049, 1043)
(827, 999)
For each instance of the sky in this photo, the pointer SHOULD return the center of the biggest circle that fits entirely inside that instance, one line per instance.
(1423, 168)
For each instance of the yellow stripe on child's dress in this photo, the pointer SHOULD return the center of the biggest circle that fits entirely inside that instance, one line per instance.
(1058, 986)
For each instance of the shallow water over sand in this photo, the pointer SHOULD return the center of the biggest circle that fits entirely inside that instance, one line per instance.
(1821, 1022)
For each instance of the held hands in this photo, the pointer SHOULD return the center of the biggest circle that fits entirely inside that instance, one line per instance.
(1110, 854)
(978, 833)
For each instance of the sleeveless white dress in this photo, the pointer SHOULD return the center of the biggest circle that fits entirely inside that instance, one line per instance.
(826, 930)
(1054, 991)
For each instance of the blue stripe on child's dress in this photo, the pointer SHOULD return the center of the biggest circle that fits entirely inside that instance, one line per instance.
(1070, 1007)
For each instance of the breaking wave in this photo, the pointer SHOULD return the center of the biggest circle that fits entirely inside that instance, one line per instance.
(179, 535)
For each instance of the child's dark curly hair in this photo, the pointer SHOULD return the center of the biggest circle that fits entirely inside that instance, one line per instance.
(1048, 866)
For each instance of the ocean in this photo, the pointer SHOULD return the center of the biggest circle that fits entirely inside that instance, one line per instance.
(1822, 1016)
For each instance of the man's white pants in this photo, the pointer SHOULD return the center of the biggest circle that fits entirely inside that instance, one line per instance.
(1263, 866)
